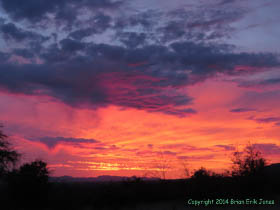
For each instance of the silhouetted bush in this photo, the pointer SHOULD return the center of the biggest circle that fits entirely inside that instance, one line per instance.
(201, 174)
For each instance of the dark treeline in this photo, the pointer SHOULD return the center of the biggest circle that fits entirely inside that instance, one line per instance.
(21, 186)
(27, 186)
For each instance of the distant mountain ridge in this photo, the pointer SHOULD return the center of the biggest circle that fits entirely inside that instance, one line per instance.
(105, 178)
(272, 171)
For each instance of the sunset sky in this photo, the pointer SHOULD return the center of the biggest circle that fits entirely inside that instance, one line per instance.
(103, 87)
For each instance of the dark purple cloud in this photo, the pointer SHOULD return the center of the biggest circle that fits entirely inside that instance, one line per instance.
(147, 20)
(202, 23)
(267, 119)
(150, 146)
(275, 120)
(259, 83)
(226, 147)
(267, 98)
(151, 153)
(239, 110)
(185, 147)
(100, 148)
(23, 53)
(167, 153)
(71, 46)
(269, 149)
(63, 10)
(96, 25)
(51, 142)
(11, 32)
(132, 39)
(4, 56)
(144, 62)
(197, 157)
(91, 75)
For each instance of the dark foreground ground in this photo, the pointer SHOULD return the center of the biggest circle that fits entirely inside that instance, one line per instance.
(139, 194)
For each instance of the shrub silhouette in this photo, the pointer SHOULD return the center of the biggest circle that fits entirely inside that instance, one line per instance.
(201, 173)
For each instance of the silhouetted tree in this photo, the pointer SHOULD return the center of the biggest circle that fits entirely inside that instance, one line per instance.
(163, 165)
(8, 156)
(249, 162)
(30, 185)
(26, 186)
(186, 171)
(35, 171)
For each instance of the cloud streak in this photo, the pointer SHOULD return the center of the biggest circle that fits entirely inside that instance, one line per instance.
(52, 142)
(226, 147)
(268, 149)
(240, 110)
(267, 119)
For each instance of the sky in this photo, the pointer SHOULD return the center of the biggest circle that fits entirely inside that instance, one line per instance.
(138, 87)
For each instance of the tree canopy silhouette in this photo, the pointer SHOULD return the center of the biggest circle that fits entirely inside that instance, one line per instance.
(35, 172)
(249, 162)
(8, 156)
